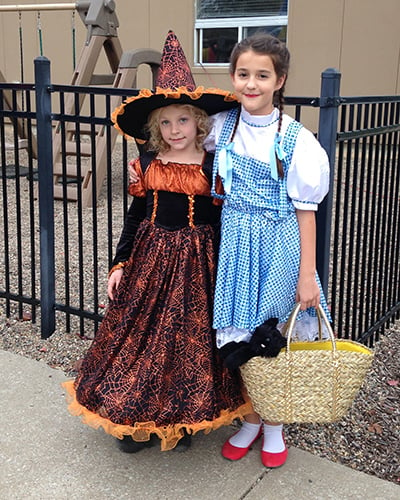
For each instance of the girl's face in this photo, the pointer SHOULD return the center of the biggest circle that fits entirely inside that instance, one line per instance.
(255, 82)
(178, 127)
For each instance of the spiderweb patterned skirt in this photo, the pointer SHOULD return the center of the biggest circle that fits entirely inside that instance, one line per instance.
(153, 366)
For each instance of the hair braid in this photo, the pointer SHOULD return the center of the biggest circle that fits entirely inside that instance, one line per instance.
(280, 107)
(235, 126)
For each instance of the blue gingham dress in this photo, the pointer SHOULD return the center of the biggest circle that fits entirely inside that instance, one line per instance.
(259, 253)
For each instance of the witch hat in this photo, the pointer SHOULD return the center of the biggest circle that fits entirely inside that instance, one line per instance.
(174, 85)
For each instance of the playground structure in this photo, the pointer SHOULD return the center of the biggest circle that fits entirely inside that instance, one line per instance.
(18, 123)
(101, 24)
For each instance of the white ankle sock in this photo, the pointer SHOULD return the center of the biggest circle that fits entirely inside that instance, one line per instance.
(246, 435)
(273, 440)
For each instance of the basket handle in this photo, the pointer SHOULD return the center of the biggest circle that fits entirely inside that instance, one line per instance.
(321, 318)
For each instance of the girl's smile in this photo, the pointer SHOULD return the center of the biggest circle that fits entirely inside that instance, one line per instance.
(178, 128)
(255, 82)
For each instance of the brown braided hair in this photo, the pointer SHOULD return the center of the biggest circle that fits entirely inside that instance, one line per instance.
(264, 44)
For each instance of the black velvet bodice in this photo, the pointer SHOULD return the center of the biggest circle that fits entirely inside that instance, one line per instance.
(170, 210)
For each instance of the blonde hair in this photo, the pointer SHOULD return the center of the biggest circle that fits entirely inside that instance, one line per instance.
(157, 144)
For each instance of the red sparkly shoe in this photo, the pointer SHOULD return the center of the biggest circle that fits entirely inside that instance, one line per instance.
(273, 460)
(234, 452)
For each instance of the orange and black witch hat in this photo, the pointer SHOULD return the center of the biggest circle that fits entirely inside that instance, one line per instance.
(174, 85)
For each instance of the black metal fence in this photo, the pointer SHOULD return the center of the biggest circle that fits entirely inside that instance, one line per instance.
(365, 265)
(56, 252)
(19, 248)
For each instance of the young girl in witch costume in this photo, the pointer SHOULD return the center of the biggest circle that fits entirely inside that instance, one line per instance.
(274, 174)
(153, 367)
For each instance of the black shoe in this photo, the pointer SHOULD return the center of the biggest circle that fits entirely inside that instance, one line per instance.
(128, 445)
(184, 443)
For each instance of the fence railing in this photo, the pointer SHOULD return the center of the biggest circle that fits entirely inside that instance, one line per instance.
(69, 246)
(19, 247)
(365, 270)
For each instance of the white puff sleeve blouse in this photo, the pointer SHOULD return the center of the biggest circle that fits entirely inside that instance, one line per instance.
(308, 173)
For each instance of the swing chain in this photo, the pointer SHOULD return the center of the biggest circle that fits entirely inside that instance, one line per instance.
(39, 30)
(73, 40)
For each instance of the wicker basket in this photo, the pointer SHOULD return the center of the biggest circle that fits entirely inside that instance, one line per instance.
(308, 381)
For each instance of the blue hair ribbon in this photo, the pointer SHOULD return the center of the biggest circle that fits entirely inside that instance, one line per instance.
(225, 166)
(276, 151)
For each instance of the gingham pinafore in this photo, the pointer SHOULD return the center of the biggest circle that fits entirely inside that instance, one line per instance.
(259, 253)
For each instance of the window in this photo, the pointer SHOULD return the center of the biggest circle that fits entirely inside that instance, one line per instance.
(222, 23)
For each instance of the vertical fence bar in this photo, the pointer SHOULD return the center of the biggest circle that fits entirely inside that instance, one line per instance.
(327, 133)
(32, 148)
(66, 239)
(4, 222)
(364, 221)
(18, 208)
(46, 195)
(395, 259)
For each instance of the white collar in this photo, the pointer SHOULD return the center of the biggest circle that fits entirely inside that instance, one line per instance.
(259, 120)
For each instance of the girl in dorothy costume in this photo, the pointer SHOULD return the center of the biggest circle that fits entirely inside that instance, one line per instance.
(271, 173)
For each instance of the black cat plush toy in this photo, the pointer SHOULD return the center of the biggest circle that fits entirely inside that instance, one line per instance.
(266, 341)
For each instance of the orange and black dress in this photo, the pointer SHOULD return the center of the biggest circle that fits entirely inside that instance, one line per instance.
(153, 366)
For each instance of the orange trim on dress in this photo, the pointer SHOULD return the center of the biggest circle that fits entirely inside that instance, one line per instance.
(191, 210)
(120, 265)
(169, 435)
(177, 178)
(155, 207)
(173, 177)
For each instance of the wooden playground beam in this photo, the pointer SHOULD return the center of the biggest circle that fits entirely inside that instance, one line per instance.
(38, 6)
(101, 22)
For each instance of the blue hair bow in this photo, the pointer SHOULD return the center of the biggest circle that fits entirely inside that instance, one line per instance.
(276, 151)
(225, 166)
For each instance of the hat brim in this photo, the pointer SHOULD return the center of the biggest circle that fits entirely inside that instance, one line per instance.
(131, 117)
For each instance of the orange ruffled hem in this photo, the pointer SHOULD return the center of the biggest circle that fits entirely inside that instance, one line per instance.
(169, 435)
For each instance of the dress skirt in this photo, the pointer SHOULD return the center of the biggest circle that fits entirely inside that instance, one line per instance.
(259, 257)
(258, 268)
(153, 366)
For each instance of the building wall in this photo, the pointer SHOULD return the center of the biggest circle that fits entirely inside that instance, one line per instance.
(358, 37)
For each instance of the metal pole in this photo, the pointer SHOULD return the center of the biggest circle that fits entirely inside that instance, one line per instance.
(38, 6)
(327, 133)
(46, 195)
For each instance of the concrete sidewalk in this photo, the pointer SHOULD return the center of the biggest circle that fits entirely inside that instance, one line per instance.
(47, 454)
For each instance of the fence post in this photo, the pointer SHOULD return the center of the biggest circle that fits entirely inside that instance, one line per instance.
(46, 195)
(327, 133)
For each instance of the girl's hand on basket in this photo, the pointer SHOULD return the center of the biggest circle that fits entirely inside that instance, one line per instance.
(307, 292)
(113, 282)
